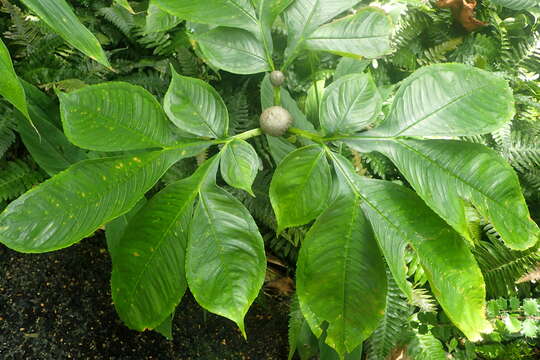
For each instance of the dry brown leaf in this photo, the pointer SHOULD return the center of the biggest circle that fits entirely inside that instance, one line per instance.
(463, 13)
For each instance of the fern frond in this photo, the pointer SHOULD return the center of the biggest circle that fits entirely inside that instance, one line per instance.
(502, 267)
(16, 177)
(523, 152)
(7, 137)
(426, 347)
(189, 63)
(120, 18)
(387, 335)
(238, 105)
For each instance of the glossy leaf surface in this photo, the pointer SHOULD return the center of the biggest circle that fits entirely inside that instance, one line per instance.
(341, 249)
(196, 107)
(148, 278)
(10, 86)
(234, 50)
(114, 116)
(451, 175)
(76, 202)
(225, 262)
(230, 13)
(303, 17)
(365, 34)
(449, 100)
(159, 20)
(350, 104)
(517, 4)
(451, 269)
(239, 164)
(61, 18)
(300, 187)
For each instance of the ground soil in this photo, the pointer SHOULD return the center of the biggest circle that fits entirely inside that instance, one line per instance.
(58, 306)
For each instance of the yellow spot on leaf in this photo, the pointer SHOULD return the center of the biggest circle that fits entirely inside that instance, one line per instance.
(136, 254)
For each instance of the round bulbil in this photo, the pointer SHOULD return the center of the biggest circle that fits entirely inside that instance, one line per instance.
(275, 121)
(277, 78)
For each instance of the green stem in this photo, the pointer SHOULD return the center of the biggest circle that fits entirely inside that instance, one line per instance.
(247, 135)
(307, 134)
(277, 96)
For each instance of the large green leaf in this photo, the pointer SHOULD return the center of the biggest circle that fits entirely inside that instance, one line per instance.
(300, 187)
(350, 104)
(10, 86)
(196, 107)
(341, 249)
(76, 202)
(225, 263)
(239, 164)
(267, 13)
(517, 4)
(148, 278)
(159, 20)
(114, 231)
(449, 100)
(61, 18)
(303, 17)
(347, 66)
(450, 176)
(398, 214)
(49, 146)
(114, 116)
(235, 50)
(230, 13)
(365, 34)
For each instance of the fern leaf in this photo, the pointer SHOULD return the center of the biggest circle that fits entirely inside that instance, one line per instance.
(502, 267)
(7, 137)
(426, 347)
(387, 335)
(16, 177)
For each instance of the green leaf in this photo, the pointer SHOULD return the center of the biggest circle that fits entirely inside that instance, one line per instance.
(449, 100)
(165, 328)
(114, 116)
(267, 13)
(300, 187)
(341, 249)
(347, 66)
(230, 13)
(148, 278)
(301, 339)
(234, 50)
(303, 17)
(125, 4)
(312, 105)
(392, 326)
(426, 347)
(76, 202)
(530, 328)
(512, 323)
(350, 104)
(450, 175)
(10, 86)
(239, 164)
(61, 18)
(365, 34)
(517, 4)
(159, 20)
(49, 146)
(397, 215)
(196, 107)
(114, 231)
(530, 307)
(225, 263)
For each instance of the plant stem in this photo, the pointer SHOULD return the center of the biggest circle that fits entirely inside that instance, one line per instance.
(307, 134)
(277, 96)
(248, 134)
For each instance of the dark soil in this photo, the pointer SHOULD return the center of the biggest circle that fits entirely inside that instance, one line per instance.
(58, 306)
